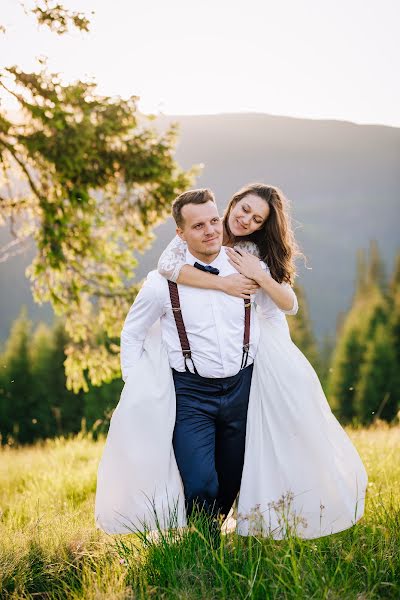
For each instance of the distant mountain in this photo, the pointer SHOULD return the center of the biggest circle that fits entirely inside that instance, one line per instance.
(343, 181)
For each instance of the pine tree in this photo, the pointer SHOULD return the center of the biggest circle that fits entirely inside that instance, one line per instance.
(344, 372)
(394, 309)
(18, 404)
(369, 310)
(326, 353)
(41, 363)
(395, 279)
(375, 273)
(361, 276)
(66, 406)
(99, 403)
(378, 392)
(301, 330)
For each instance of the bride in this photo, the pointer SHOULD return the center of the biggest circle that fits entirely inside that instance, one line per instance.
(301, 472)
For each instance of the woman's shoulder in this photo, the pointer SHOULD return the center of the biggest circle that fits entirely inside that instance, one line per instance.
(249, 247)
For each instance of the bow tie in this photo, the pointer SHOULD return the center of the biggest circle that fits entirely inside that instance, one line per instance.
(206, 268)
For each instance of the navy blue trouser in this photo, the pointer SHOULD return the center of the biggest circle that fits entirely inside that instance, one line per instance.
(209, 437)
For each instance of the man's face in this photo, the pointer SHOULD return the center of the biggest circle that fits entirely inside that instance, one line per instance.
(201, 230)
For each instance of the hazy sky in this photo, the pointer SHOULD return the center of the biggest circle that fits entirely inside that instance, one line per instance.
(337, 59)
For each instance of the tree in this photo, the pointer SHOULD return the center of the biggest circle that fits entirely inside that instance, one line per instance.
(99, 404)
(40, 351)
(67, 407)
(88, 179)
(369, 310)
(361, 285)
(394, 309)
(301, 330)
(34, 400)
(18, 404)
(378, 392)
(344, 372)
(376, 274)
(59, 411)
(395, 279)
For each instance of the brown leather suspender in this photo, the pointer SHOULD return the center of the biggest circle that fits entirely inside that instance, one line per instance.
(180, 326)
(246, 334)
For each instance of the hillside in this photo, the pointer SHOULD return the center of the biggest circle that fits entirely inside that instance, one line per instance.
(343, 181)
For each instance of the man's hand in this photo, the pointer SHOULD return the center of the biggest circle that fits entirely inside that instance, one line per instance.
(238, 285)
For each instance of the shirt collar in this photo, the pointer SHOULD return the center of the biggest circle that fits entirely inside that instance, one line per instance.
(217, 262)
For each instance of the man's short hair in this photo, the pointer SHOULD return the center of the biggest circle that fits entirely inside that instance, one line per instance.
(200, 196)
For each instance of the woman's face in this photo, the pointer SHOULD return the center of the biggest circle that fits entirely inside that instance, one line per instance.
(248, 215)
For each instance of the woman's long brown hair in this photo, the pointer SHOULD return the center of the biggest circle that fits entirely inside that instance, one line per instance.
(275, 240)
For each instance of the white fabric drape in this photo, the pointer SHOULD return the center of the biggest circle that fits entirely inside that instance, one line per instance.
(138, 482)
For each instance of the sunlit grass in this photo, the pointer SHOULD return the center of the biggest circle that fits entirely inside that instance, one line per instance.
(48, 539)
(50, 547)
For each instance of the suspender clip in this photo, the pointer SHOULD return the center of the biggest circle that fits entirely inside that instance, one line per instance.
(245, 355)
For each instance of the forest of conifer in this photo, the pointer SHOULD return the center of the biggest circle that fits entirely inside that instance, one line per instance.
(359, 370)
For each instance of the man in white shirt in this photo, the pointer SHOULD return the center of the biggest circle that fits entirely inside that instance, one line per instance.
(212, 376)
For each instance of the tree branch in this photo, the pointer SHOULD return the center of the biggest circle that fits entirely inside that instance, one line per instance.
(32, 184)
(5, 252)
(98, 291)
(20, 99)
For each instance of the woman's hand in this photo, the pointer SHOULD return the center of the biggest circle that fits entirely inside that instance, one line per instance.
(238, 285)
(250, 266)
(247, 264)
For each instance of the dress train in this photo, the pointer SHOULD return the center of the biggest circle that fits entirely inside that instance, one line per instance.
(301, 473)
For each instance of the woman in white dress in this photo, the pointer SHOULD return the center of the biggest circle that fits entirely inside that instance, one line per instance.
(301, 472)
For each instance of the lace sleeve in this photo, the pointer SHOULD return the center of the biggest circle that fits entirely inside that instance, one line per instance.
(252, 248)
(172, 259)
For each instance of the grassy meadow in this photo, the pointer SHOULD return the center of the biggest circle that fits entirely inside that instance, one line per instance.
(49, 547)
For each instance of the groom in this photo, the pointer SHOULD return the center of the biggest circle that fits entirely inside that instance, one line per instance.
(211, 340)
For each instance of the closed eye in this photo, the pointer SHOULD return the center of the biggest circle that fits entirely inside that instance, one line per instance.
(245, 209)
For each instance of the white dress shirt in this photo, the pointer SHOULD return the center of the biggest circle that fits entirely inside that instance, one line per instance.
(214, 323)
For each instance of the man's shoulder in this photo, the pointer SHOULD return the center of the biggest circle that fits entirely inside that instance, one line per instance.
(154, 276)
(156, 281)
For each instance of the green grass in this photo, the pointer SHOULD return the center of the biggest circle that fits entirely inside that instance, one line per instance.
(49, 547)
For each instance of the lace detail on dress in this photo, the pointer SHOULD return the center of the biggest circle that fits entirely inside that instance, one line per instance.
(172, 259)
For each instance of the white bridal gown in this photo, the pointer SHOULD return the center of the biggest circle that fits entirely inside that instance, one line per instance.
(301, 472)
